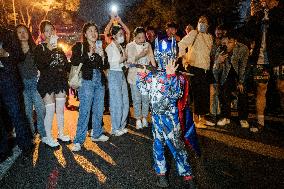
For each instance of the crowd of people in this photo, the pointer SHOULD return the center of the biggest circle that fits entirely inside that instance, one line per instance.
(155, 69)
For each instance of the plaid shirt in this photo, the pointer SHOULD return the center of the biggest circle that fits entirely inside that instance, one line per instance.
(238, 61)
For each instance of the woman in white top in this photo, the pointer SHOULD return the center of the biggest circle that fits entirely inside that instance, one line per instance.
(139, 52)
(119, 102)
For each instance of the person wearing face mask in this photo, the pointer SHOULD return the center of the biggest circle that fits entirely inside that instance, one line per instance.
(107, 32)
(139, 52)
(52, 84)
(92, 91)
(118, 92)
(197, 62)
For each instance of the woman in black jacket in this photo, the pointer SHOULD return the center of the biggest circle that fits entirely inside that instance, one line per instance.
(91, 93)
(52, 85)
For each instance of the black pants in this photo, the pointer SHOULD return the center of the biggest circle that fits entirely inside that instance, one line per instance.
(226, 90)
(11, 103)
(200, 90)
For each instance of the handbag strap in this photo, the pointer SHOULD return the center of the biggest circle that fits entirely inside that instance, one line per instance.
(193, 41)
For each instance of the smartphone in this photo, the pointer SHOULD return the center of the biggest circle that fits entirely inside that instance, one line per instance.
(53, 40)
(99, 44)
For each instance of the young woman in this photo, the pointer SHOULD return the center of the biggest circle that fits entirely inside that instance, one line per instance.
(119, 102)
(30, 74)
(92, 91)
(52, 85)
(139, 52)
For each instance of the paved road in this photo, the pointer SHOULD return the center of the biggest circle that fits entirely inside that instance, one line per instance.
(231, 158)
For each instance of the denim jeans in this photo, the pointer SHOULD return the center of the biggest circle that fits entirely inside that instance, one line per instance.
(119, 102)
(33, 99)
(91, 95)
(140, 102)
(10, 99)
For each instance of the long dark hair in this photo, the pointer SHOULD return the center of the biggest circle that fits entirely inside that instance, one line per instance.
(84, 39)
(31, 42)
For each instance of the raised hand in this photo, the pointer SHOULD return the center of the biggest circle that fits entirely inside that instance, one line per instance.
(171, 68)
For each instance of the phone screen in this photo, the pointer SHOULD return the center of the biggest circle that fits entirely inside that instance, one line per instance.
(53, 40)
(99, 44)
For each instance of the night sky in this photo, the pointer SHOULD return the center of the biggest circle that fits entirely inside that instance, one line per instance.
(98, 10)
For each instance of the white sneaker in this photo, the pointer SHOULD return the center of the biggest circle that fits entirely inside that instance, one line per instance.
(138, 124)
(124, 130)
(76, 147)
(102, 138)
(223, 122)
(209, 123)
(144, 122)
(64, 138)
(50, 142)
(244, 124)
(118, 133)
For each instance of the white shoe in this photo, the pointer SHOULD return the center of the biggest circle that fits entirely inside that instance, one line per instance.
(244, 124)
(144, 122)
(124, 130)
(200, 126)
(50, 142)
(118, 133)
(209, 123)
(223, 122)
(138, 124)
(102, 138)
(76, 147)
(64, 138)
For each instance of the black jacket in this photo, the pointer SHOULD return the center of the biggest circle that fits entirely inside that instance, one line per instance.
(79, 55)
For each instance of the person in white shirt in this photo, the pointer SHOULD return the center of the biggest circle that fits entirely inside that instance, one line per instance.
(199, 44)
(139, 52)
(118, 92)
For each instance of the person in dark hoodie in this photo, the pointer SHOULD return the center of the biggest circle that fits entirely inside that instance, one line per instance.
(9, 96)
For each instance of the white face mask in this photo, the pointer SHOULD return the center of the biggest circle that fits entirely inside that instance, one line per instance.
(120, 39)
(202, 27)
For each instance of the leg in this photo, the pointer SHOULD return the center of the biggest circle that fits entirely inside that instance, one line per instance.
(243, 105)
(125, 103)
(28, 100)
(158, 146)
(12, 105)
(86, 96)
(115, 97)
(48, 119)
(60, 104)
(136, 99)
(176, 146)
(261, 102)
(40, 111)
(98, 109)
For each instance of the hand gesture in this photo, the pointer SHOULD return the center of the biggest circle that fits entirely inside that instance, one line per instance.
(118, 19)
(222, 58)
(171, 68)
(100, 52)
(143, 53)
